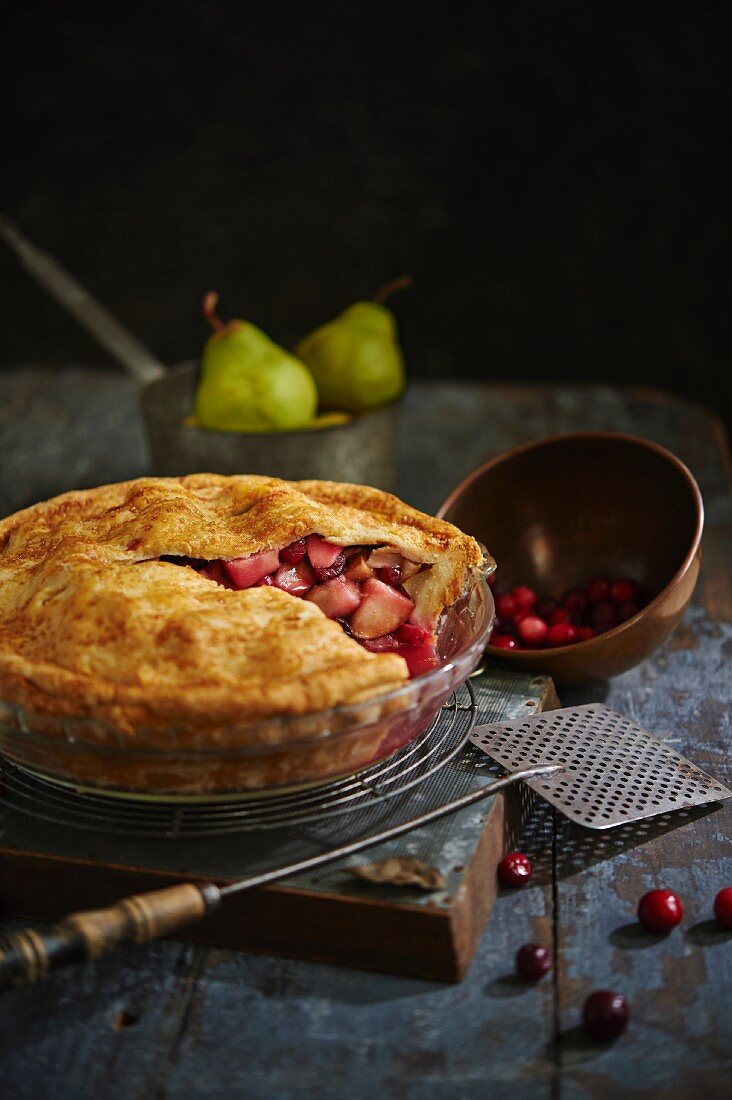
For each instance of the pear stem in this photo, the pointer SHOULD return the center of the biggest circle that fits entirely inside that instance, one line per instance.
(210, 301)
(402, 282)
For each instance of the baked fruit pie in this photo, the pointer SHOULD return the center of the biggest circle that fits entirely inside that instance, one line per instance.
(208, 604)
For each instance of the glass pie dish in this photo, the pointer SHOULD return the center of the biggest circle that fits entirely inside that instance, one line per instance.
(267, 755)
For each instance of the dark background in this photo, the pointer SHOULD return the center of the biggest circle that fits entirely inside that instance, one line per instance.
(554, 175)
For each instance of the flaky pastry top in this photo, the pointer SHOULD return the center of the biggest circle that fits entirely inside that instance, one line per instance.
(92, 623)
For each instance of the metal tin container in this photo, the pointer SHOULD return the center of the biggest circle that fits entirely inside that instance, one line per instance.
(363, 451)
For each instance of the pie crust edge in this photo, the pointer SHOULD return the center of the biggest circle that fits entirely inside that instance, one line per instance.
(198, 711)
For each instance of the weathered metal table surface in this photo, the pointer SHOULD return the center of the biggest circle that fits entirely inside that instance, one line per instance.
(172, 1021)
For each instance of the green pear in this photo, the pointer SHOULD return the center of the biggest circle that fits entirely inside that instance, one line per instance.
(355, 359)
(248, 383)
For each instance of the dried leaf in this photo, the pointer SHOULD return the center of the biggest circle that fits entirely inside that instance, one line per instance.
(401, 871)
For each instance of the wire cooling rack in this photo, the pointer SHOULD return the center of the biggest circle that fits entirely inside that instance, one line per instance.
(43, 797)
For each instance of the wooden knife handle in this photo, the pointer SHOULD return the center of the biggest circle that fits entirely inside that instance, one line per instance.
(29, 955)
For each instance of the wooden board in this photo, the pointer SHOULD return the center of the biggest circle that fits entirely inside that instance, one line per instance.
(328, 915)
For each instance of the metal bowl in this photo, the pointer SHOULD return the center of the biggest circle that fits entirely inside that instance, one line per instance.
(362, 451)
(557, 511)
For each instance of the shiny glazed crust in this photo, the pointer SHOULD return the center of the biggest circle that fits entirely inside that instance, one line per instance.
(92, 624)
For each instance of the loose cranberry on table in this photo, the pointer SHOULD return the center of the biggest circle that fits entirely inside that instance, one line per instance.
(605, 1015)
(515, 869)
(533, 961)
(660, 910)
(723, 907)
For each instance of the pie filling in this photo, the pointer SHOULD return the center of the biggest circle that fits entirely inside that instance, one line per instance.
(362, 587)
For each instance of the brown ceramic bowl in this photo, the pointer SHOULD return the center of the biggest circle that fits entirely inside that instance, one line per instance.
(557, 511)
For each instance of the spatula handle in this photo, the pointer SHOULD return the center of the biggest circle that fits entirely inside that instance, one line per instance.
(29, 955)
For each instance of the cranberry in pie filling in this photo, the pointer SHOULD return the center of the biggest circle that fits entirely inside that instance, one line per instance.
(360, 586)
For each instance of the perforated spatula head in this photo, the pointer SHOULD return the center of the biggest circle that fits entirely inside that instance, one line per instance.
(614, 771)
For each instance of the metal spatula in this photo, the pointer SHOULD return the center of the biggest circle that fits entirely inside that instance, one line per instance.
(613, 770)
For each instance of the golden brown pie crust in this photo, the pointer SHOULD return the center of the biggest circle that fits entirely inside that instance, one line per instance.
(92, 624)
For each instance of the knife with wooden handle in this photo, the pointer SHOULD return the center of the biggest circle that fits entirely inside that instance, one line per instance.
(29, 955)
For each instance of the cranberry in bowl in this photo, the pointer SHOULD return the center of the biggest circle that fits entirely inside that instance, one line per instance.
(604, 530)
